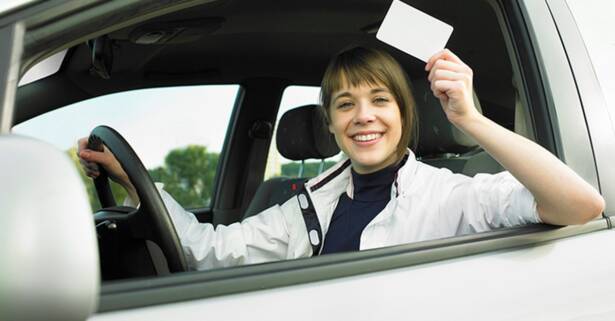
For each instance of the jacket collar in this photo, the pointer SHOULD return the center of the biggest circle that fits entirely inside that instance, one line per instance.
(338, 178)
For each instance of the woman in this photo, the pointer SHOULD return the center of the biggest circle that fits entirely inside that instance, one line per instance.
(381, 195)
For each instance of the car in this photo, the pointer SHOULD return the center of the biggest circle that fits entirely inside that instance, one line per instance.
(196, 90)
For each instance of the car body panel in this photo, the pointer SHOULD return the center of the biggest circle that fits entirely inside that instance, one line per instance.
(568, 276)
(569, 125)
(593, 100)
(565, 279)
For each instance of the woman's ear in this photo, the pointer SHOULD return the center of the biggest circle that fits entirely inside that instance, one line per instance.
(331, 129)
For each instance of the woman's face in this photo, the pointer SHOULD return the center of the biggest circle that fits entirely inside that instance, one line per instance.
(366, 122)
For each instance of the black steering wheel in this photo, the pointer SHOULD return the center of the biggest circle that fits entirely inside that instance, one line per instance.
(151, 221)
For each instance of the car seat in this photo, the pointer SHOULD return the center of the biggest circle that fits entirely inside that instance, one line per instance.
(302, 134)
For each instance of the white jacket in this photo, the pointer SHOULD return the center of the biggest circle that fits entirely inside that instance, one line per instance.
(426, 203)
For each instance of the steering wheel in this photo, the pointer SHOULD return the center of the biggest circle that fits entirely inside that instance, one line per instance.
(151, 220)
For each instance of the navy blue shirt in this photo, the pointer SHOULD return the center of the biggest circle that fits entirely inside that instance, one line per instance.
(372, 192)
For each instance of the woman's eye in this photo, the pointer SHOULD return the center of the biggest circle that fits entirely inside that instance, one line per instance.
(381, 100)
(345, 104)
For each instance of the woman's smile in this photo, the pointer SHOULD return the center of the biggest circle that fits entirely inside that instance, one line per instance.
(365, 139)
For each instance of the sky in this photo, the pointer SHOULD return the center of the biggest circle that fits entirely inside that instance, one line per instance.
(154, 121)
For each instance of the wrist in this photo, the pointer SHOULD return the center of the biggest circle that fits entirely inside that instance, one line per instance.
(467, 121)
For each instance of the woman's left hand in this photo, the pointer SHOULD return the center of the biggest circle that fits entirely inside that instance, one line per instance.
(451, 83)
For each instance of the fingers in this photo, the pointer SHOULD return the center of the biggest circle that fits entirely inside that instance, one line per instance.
(82, 144)
(448, 75)
(94, 156)
(464, 80)
(446, 86)
(448, 66)
(90, 169)
(443, 54)
(89, 165)
(89, 159)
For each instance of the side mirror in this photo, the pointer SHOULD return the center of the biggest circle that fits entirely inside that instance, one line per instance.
(48, 244)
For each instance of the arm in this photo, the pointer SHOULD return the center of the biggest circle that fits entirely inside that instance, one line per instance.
(562, 197)
(261, 238)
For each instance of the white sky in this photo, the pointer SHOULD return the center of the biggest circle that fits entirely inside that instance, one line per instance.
(153, 121)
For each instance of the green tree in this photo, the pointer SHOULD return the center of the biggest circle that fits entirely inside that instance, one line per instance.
(188, 174)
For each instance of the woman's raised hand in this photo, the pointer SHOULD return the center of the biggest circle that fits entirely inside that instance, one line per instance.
(451, 83)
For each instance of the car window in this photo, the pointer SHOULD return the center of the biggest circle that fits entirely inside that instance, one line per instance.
(176, 132)
(594, 18)
(278, 165)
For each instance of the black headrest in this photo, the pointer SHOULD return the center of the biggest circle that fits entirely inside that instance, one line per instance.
(436, 134)
(303, 133)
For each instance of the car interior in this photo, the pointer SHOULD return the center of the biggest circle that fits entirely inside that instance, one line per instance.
(266, 46)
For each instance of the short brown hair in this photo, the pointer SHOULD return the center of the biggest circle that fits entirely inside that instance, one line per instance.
(358, 66)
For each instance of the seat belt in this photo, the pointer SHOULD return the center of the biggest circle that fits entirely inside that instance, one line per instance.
(311, 221)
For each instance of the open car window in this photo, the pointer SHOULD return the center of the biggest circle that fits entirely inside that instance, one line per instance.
(177, 132)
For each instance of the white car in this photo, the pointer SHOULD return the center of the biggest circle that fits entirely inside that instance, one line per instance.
(198, 88)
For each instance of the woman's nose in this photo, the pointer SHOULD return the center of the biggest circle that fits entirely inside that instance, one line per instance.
(364, 113)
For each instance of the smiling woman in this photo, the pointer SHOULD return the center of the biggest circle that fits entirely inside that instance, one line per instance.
(367, 99)
(371, 113)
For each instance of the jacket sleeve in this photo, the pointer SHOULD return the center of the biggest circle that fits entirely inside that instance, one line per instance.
(485, 202)
(260, 238)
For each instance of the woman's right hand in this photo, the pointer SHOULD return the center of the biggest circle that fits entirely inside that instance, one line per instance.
(91, 160)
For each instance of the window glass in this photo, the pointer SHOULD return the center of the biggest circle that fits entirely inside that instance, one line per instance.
(595, 22)
(177, 132)
(277, 165)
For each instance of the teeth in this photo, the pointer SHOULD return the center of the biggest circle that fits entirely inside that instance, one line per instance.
(365, 138)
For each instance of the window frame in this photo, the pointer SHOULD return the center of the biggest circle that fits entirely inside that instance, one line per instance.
(591, 99)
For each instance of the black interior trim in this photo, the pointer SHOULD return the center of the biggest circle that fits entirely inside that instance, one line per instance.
(58, 30)
(218, 199)
(199, 285)
(259, 102)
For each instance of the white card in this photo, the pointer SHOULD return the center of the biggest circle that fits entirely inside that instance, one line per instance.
(413, 32)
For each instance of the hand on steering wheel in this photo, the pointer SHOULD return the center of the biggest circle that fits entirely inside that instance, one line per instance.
(124, 166)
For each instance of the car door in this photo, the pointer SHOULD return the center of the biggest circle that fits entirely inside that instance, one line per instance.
(537, 273)
(533, 273)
